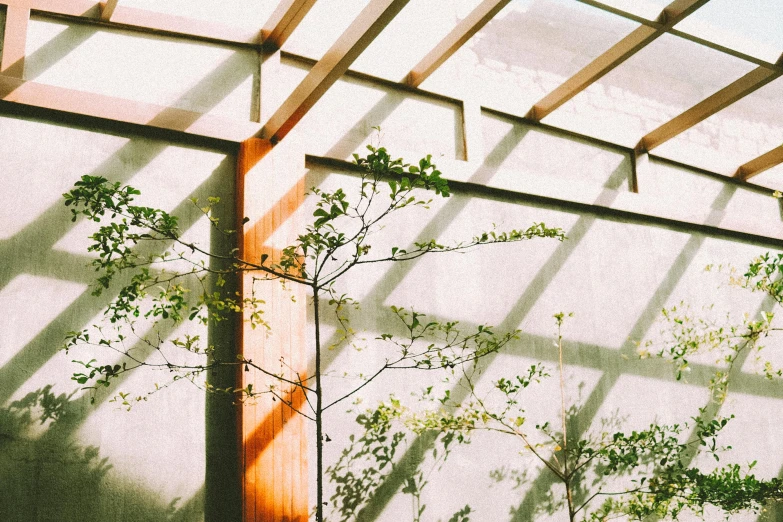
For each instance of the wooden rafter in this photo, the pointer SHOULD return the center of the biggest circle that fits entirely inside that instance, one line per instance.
(334, 64)
(16, 20)
(758, 165)
(464, 30)
(284, 20)
(733, 92)
(107, 9)
(87, 8)
(143, 20)
(617, 54)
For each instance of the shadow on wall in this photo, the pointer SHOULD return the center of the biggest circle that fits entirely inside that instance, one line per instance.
(47, 474)
(50, 478)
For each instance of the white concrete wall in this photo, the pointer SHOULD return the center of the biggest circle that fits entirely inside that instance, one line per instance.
(172, 72)
(613, 275)
(88, 462)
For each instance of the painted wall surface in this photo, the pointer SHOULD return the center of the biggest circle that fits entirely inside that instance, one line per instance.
(627, 256)
(62, 457)
(172, 72)
(615, 277)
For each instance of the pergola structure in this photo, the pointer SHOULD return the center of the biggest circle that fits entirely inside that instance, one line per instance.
(275, 479)
(337, 62)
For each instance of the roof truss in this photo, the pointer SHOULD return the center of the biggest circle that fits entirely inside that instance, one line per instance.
(617, 54)
(107, 9)
(289, 13)
(758, 165)
(737, 90)
(464, 30)
(285, 18)
(356, 38)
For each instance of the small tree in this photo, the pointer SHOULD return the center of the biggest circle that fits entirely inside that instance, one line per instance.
(729, 340)
(142, 244)
(638, 474)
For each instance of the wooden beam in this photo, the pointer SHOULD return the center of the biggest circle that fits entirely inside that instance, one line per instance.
(141, 19)
(464, 30)
(616, 55)
(334, 63)
(107, 9)
(747, 84)
(15, 90)
(284, 20)
(758, 165)
(270, 189)
(15, 41)
(85, 8)
(180, 25)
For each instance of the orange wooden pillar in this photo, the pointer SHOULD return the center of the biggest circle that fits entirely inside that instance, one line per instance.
(270, 189)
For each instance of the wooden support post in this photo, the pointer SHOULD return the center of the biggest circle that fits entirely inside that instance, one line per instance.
(270, 189)
(15, 41)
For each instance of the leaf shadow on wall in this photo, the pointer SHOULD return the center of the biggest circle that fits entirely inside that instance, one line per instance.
(49, 476)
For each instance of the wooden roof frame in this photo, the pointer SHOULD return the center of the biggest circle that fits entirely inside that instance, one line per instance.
(461, 33)
(758, 165)
(17, 18)
(735, 91)
(285, 18)
(614, 56)
(354, 40)
(288, 15)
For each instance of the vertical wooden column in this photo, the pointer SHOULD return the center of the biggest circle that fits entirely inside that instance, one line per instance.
(15, 40)
(270, 189)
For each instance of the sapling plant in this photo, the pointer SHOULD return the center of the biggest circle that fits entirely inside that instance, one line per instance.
(602, 473)
(688, 333)
(163, 279)
(366, 465)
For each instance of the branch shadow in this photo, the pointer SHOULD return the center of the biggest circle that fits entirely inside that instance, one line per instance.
(52, 477)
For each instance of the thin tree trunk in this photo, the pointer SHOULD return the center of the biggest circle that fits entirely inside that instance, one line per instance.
(319, 442)
(567, 480)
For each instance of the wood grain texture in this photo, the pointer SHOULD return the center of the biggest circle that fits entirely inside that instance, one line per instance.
(274, 436)
(758, 165)
(733, 92)
(461, 33)
(285, 18)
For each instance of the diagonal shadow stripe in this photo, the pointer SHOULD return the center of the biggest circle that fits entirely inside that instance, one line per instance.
(48, 342)
(524, 304)
(712, 409)
(42, 233)
(586, 415)
(267, 428)
(376, 505)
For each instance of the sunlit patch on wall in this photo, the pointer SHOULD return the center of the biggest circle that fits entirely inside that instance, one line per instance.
(27, 304)
(167, 429)
(166, 181)
(162, 71)
(33, 158)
